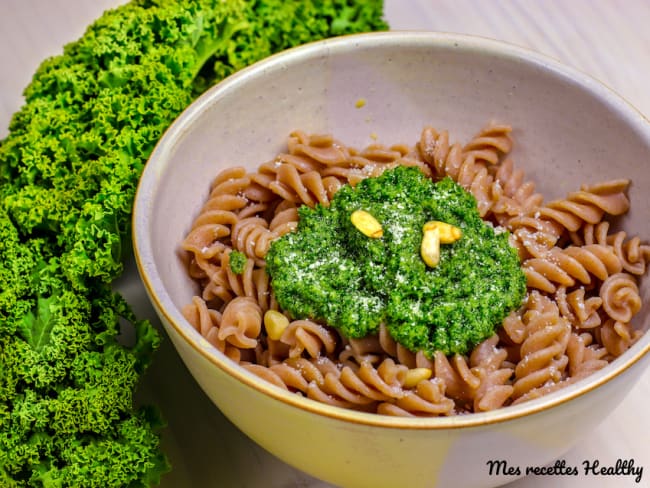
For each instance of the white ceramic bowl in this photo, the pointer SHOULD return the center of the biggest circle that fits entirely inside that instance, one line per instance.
(569, 129)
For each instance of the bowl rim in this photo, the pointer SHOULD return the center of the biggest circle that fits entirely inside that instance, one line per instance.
(173, 318)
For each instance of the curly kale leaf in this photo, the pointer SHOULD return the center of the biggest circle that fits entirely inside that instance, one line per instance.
(66, 390)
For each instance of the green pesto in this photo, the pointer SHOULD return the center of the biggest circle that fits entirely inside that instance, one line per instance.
(327, 270)
(237, 262)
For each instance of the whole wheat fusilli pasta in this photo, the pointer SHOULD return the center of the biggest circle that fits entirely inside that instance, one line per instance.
(583, 279)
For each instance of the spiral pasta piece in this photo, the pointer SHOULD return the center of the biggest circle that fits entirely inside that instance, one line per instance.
(215, 283)
(494, 389)
(241, 323)
(298, 373)
(366, 384)
(488, 362)
(253, 282)
(285, 181)
(533, 237)
(565, 266)
(633, 254)
(284, 220)
(295, 374)
(578, 308)
(617, 337)
(444, 157)
(219, 281)
(620, 295)
(461, 382)
(631, 251)
(214, 224)
(226, 190)
(267, 374)
(201, 317)
(490, 143)
(353, 388)
(542, 335)
(207, 322)
(309, 337)
(320, 147)
(270, 352)
(356, 351)
(585, 356)
(252, 237)
(537, 231)
(204, 240)
(587, 206)
(428, 399)
(584, 359)
(514, 196)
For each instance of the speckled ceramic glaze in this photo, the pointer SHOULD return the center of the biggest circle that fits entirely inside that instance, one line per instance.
(569, 129)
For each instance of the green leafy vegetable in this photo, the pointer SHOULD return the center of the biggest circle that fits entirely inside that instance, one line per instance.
(37, 329)
(237, 262)
(328, 270)
(68, 173)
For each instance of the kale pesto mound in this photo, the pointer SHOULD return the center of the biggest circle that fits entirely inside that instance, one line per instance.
(327, 270)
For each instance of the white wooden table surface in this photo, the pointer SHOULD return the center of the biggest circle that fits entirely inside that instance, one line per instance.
(608, 39)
